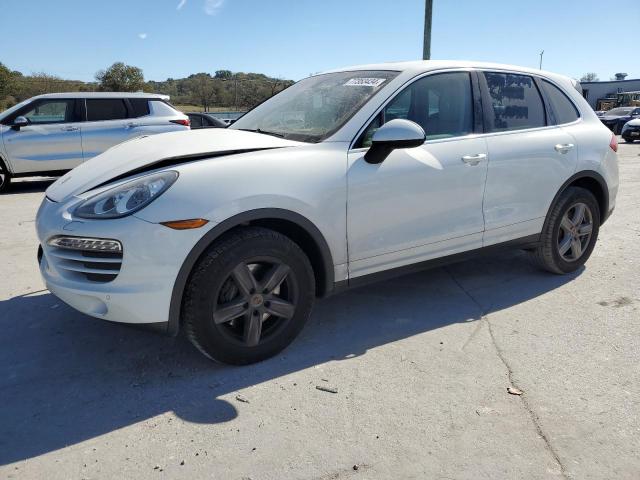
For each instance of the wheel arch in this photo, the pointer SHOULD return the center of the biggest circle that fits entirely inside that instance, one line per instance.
(5, 164)
(295, 226)
(589, 180)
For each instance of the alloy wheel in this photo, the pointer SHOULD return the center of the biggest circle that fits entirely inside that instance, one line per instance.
(255, 301)
(575, 232)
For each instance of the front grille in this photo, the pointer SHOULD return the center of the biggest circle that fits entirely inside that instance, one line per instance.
(95, 266)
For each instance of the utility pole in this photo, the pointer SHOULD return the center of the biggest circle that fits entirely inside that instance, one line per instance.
(541, 53)
(428, 13)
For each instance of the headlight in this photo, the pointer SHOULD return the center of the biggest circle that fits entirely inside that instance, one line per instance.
(127, 198)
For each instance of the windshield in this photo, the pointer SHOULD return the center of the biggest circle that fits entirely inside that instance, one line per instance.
(9, 111)
(619, 111)
(316, 107)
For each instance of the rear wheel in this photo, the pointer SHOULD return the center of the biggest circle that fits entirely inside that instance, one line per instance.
(248, 297)
(570, 233)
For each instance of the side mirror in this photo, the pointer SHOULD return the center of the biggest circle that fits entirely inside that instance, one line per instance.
(19, 122)
(394, 134)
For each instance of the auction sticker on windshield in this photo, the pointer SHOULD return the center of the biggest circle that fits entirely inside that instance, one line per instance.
(365, 82)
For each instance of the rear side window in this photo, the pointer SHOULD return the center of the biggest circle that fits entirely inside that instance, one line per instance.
(106, 109)
(140, 107)
(562, 109)
(196, 121)
(515, 102)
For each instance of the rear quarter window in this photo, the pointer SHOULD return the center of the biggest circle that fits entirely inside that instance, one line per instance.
(162, 109)
(562, 109)
(140, 107)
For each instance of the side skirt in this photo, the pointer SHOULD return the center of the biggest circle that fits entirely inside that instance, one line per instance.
(49, 173)
(529, 241)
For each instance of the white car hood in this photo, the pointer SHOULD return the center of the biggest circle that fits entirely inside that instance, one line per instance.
(145, 151)
(633, 122)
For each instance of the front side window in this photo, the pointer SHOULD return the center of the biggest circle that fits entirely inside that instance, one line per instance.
(442, 104)
(106, 109)
(50, 111)
(315, 108)
(515, 102)
(562, 109)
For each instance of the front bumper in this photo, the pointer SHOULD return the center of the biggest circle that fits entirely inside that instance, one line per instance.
(151, 258)
(631, 132)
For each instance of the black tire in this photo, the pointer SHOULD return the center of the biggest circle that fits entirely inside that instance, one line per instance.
(5, 178)
(219, 283)
(628, 139)
(553, 239)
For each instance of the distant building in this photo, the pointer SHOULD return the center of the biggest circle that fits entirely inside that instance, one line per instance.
(597, 93)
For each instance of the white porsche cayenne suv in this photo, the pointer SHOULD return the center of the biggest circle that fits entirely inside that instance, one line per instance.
(347, 176)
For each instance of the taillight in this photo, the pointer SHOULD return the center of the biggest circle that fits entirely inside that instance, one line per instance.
(182, 121)
(614, 143)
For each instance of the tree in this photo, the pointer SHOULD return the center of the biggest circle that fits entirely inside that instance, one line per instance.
(7, 81)
(621, 76)
(42, 82)
(224, 74)
(204, 89)
(589, 77)
(120, 78)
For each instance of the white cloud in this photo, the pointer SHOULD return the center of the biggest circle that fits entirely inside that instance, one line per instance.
(211, 7)
(142, 36)
(181, 4)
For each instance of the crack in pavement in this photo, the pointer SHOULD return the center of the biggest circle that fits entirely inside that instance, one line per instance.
(525, 403)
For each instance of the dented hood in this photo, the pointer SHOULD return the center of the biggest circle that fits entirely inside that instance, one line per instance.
(145, 152)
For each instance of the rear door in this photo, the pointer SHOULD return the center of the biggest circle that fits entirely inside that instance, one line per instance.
(107, 125)
(530, 156)
(50, 142)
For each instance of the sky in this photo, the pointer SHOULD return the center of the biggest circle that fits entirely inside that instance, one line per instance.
(294, 38)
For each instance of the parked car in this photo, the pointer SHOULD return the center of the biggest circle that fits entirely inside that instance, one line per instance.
(631, 131)
(617, 117)
(343, 178)
(53, 133)
(204, 120)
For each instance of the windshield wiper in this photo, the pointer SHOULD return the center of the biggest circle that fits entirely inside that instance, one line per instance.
(264, 132)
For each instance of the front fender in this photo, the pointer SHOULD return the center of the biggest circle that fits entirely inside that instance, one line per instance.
(225, 226)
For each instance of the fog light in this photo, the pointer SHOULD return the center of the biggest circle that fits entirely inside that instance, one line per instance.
(87, 244)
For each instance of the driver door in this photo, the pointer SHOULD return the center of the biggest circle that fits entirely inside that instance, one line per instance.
(424, 202)
(51, 141)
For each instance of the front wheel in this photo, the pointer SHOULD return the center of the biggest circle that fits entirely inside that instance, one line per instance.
(570, 232)
(5, 178)
(628, 139)
(248, 297)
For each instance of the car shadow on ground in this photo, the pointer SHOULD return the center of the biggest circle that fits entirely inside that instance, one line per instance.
(66, 378)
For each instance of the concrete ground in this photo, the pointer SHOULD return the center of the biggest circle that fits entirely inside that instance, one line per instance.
(421, 366)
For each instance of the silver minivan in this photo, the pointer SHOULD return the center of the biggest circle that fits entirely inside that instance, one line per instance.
(53, 133)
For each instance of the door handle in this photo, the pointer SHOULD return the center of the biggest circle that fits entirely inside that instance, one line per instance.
(70, 129)
(474, 159)
(563, 147)
(131, 125)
